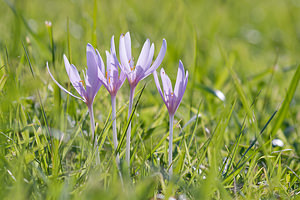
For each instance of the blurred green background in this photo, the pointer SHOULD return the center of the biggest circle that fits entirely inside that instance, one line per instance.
(247, 50)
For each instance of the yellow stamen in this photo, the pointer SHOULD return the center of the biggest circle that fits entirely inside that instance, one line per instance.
(81, 81)
(129, 60)
(105, 74)
(108, 79)
(132, 68)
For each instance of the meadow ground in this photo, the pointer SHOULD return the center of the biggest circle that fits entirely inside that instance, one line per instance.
(243, 62)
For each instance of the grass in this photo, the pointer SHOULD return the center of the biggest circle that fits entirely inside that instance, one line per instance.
(243, 61)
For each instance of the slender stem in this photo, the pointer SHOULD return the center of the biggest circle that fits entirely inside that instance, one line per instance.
(115, 137)
(129, 127)
(92, 120)
(91, 112)
(170, 144)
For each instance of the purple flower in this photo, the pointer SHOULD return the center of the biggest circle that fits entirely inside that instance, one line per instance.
(111, 79)
(136, 72)
(88, 88)
(172, 98)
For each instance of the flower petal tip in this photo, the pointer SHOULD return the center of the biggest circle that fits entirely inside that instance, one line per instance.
(164, 42)
(66, 61)
(164, 47)
(89, 45)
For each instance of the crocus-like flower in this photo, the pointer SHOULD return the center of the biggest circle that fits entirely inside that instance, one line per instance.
(112, 81)
(110, 78)
(172, 99)
(136, 72)
(88, 88)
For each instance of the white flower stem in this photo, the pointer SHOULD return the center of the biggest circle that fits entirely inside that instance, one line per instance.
(91, 112)
(115, 136)
(129, 127)
(170, 145)
(93, 139)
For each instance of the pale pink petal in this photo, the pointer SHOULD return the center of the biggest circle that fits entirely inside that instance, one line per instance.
(92, 70)
(61, 87)
(74, 77)
(121, 80)
(136, 75)
(114, 69)
(158, 85)
(123, 56)
(71, 71)
(101, 78)
(139, 74)
(128, 45)
(179, 80)
(92, 82)
(108, 71)
(159, 58)
(181, 92)
(150, 56)
(101, 71)
(100, 62)
(142, 61)
(167, 85)
(112, 45)
(122, 75)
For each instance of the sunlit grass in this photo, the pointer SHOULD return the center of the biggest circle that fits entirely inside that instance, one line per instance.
(243, 63)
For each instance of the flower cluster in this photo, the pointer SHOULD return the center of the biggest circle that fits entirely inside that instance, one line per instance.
(113, 76)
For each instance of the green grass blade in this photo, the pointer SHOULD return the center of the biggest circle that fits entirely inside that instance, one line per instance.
(286, 102)
(128, 122)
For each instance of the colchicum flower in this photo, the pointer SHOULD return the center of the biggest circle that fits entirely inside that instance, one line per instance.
(142, 68)
(172, 99)
(136, 72)
(112, 81)
(88, 88)
(110, 78)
